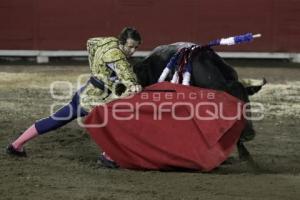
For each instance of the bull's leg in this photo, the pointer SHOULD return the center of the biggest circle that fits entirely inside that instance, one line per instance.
(242, 151)
(240, 92)
(248, 133)
(244, 155)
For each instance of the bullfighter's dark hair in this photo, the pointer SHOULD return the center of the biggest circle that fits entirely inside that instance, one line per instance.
(129, 32)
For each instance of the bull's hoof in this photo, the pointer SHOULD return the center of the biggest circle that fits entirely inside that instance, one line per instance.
(245, 156)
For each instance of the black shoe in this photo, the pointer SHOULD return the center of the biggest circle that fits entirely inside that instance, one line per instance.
(107, 163)
(14, 152)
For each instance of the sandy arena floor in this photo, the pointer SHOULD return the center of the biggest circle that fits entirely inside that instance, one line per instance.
(62, 164)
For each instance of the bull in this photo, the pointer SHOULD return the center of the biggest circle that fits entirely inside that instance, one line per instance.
(209, 70)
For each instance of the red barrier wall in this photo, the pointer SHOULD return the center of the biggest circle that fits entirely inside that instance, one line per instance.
(66, 25)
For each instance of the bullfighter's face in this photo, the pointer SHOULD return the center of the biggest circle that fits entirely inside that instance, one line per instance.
(129, 47)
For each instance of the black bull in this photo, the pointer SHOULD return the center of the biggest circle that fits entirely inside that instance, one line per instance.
(208, 71)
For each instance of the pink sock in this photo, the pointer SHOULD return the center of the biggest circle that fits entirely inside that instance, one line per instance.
(29, 134)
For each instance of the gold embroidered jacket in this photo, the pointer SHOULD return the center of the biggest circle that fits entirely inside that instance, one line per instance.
(105, 52)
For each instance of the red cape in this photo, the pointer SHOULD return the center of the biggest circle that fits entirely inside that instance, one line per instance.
(164, 129)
